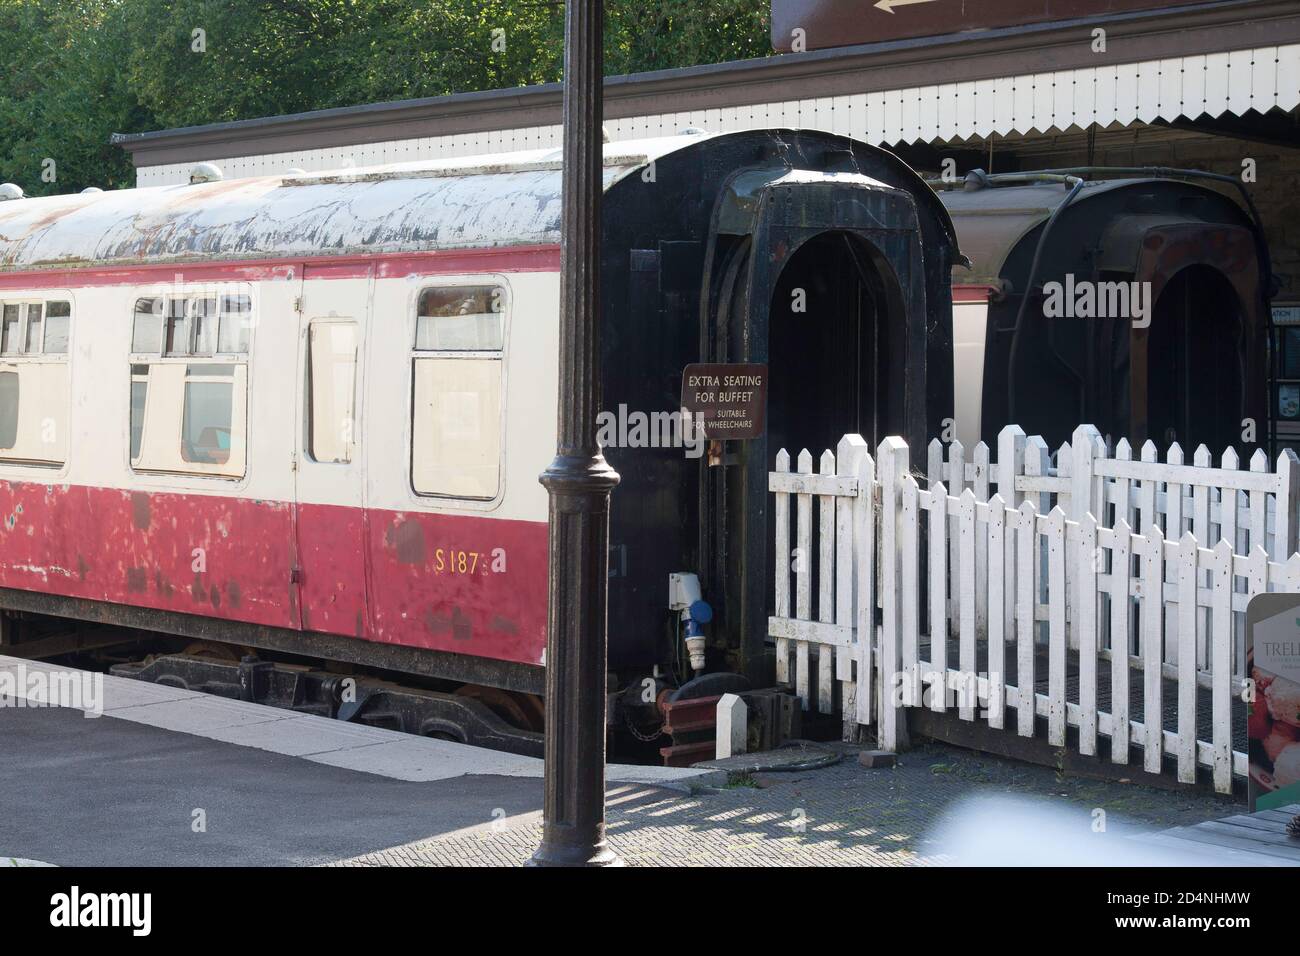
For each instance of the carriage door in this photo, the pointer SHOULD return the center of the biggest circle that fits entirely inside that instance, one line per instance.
(333, 314)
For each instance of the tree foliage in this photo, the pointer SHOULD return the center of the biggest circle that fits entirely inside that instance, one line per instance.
(78, 70)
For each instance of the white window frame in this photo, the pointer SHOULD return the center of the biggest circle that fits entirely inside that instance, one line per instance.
(35, 370)
(240, 363)
(426, 283)
(354, 444)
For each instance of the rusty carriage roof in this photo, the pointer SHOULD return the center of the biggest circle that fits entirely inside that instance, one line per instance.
(503, 200)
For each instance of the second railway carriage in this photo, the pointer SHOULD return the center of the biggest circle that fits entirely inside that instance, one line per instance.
(306, 414)
(1136, 300)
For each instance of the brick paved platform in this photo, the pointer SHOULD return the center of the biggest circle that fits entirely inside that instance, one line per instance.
(844, 815)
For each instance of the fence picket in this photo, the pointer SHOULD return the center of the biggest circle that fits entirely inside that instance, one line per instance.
(1187, 613)
(893, 459)
(1173, 532)
(1153, 577)
(1221, 667)
(1201, 529)
(1289, 579)
(1088, 635)
(1146, 515)
(826, 589)
(956, 482)
(1256, 583)
(938, 595)
(966, 653)
(1026, 540)
(1010, 464)
(802, 577)
(909, 535)
(1065, 470)
(1038, 463)
(782, 570)
(1086, 498)
(848, 458)
(955, 473)
(1258, 503)
(980, 487)
(997, 662)
(981, 473)
(1056, 633)
(1123, 494)
(1174, 497)
(864, 533)
(1287, 506)
(1229, 501)
(1120, 619)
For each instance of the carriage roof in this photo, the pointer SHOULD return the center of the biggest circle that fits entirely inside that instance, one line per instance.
(992, 221)
(509, 199)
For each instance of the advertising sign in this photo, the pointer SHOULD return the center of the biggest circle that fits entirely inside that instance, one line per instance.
(1273, 724)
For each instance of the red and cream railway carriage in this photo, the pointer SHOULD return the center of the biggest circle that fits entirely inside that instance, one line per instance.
(307, 413)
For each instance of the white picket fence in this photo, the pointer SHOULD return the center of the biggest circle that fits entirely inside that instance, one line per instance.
(1035, 578)
(1214, 503)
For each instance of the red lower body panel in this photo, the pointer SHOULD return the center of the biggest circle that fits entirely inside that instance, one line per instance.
(224, 557)
(450, 582)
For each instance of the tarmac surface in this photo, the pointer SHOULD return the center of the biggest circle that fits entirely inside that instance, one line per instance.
(110, 792)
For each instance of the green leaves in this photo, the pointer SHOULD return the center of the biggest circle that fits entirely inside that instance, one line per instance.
(72, 72)
(62, 95)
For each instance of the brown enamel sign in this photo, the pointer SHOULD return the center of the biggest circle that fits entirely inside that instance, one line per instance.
(727, 400)
(800, 25)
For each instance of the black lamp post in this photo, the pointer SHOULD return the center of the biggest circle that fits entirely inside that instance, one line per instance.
(579, 482)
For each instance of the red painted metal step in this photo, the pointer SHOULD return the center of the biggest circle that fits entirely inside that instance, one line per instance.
(696, 720)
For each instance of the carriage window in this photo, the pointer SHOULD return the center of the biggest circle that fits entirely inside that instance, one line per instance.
(209, 410)
(8, 409)
(457, 392)
(139, 388)
(333, 373)
(463, 318)
(187, 417)
(204, 318)
(236, 323)
(34, 381)
(9, 327)
(146, 335)
(34, 317)
(35, 328)
(58, 323)
(203, 325)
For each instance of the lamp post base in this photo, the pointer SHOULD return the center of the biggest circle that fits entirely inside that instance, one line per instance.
(549, 854)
